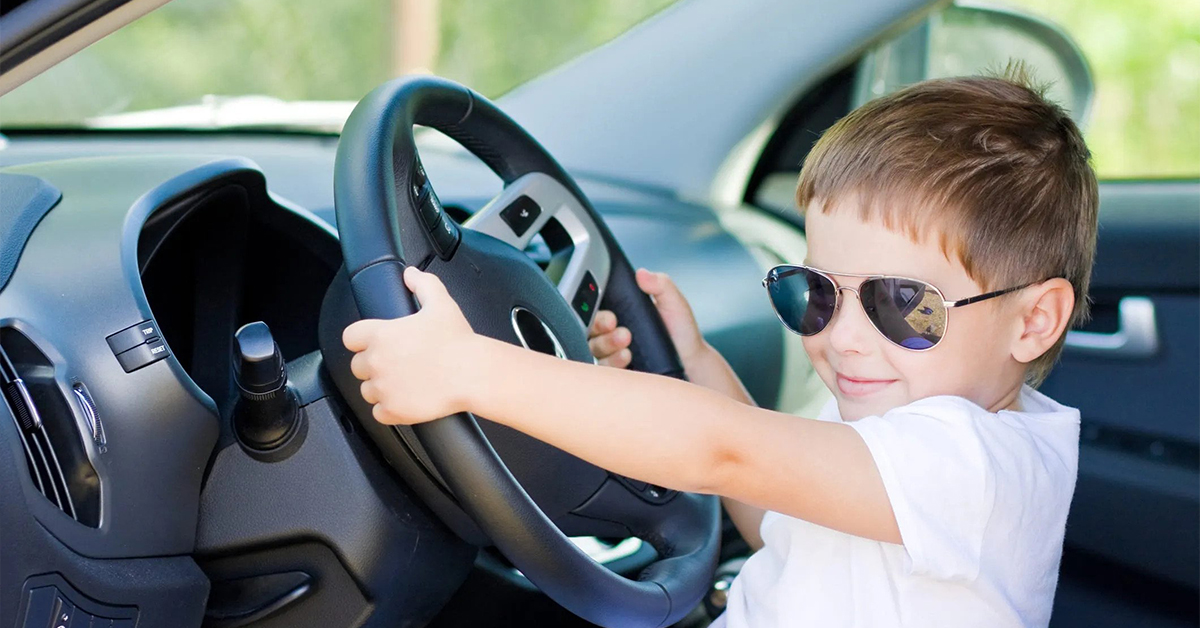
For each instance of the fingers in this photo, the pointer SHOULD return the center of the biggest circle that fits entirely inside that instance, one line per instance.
(368, 392)
(604, 323)
(383, 416)
(360, 366)
(620, 359)
(609, 343)
(606, 345)
(650, 282)
(357, 336)
(429, 290)
(667, 297)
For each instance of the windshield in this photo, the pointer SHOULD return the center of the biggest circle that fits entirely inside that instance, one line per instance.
(303, 63)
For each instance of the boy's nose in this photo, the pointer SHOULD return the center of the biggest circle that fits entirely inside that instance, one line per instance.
(850, 331)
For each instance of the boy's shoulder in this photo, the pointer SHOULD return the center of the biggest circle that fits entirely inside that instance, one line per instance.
(1032, 405)
(1041, 428)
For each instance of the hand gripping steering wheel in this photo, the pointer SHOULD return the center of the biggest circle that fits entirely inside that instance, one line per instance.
(521, 495)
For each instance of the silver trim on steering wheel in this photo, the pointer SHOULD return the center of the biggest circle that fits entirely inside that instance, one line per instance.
(554, 201)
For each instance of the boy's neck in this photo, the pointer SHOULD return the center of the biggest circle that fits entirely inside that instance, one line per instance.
(1010, 401)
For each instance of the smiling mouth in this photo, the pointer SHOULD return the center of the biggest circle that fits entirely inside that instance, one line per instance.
(859, 387)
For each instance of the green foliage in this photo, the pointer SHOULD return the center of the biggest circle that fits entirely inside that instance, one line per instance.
(1145, 60)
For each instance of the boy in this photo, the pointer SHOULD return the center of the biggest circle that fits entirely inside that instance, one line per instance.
(951, 232)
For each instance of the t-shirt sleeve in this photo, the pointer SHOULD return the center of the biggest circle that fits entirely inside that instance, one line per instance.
(938, 479)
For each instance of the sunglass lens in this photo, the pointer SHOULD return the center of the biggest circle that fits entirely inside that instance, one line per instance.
(804, 300)
(907, 312)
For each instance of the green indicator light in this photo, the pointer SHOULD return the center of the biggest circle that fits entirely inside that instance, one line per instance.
(585, 307)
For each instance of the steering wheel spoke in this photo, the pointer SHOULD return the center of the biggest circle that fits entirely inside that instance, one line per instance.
(538, 203)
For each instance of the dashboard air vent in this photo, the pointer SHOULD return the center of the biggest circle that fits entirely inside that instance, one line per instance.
(58, 464)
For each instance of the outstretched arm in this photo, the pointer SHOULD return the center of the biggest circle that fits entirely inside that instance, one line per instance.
(703, 364)
(653, 428)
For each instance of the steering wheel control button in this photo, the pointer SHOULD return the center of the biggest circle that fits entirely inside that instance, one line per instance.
(585, 298)
(445, 236)
(142, 355)
(650, 492)
(429, 210)
(658, 494)
(131, 337)
(637, 485)
(521, 214)
(418, 180)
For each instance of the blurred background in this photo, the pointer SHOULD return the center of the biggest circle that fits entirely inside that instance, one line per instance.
(1144, 56)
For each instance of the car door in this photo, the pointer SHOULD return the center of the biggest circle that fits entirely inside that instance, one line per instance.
(1132, 372)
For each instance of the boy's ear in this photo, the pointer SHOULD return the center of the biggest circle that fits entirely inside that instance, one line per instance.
(1045, 311)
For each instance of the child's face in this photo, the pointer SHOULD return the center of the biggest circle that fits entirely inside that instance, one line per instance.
(868, 374)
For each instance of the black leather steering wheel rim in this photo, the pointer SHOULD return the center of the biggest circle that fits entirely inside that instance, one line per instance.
(375, 160)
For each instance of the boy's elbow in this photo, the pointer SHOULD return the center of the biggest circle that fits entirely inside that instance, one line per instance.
(717, 471)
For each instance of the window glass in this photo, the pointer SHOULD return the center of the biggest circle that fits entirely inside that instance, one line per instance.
(215, 53)
(1143, 118)
(1145, 60)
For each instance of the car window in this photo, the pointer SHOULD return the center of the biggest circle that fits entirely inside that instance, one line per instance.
(1143, 59)
(237, 60)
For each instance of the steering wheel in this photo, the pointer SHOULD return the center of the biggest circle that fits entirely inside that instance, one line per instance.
(521, 495)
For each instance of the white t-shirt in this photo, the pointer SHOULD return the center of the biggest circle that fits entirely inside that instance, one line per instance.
(981, 501)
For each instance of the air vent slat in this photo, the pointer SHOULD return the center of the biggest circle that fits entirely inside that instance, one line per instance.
(33, 472)
(60, 482)
(58, 462)
(50, 487)
(27, 418)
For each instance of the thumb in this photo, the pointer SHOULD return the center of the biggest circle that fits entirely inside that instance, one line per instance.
(357, 336)
(429, 290)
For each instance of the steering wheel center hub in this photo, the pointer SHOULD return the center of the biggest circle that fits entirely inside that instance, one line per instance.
(534, 334)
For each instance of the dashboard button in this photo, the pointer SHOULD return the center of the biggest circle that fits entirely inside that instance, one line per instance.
(82, 619)
(142, 355)
(131, 337)
(40, 608)
(63, 612)
(521, 214)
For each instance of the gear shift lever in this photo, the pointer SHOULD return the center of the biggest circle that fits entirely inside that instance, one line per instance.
(267, 413)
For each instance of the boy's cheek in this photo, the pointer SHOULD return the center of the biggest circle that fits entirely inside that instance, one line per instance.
(815, 348)
(812, 348)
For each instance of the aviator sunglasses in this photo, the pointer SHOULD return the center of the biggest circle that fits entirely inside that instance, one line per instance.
(908, 312)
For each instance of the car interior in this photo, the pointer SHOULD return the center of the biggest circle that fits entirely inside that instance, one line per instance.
(183, 443)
